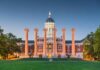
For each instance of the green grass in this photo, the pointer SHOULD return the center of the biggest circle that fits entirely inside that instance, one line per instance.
(29, 64)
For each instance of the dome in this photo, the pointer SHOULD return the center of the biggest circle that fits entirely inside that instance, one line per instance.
(50, 20)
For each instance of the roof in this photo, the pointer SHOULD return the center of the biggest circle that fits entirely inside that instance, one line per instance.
(67, 41)
(50, 20)
(76, 41)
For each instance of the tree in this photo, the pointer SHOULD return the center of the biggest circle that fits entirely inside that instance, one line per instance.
(92, 44)
(3, 46)
(8, 44)
(12, 43)
(97, 43)
(1, 31)
(88, 46)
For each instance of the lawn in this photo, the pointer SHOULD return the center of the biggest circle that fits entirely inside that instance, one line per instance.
(46, 65)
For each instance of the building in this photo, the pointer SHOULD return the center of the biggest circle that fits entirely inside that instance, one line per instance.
(51, 46)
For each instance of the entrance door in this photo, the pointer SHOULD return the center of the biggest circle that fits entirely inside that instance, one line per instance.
(49, 50)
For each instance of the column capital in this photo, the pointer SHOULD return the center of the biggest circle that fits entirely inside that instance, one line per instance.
(55, 29)
(36, 29)
(26, 30)
(63, 29)
(73, 29)
(44, 29)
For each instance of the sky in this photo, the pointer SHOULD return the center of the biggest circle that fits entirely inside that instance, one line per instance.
(83, 15)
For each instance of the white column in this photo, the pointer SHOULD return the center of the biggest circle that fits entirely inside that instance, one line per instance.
(55, 43)
(45, 42)
(73, 42)
(63, 42)
(35, 42)
(26, 41)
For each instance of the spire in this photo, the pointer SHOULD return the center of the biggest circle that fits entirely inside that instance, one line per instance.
(49, 14)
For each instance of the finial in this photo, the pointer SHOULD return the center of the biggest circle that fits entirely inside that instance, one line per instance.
(49, 14)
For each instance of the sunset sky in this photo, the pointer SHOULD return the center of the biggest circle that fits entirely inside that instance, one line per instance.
(83, 15)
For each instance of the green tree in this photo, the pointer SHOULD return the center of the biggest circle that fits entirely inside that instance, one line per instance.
(88, 45)
(12, 43)
(97, 43)
(3, 46)
(1, 31)
(8, 44)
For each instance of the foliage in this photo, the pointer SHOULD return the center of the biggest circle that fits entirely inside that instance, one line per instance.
(8, 44)
(88, 45)
(92, 44)
(97, 43)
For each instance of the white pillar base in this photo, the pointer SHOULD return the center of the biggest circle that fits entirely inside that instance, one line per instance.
(63, 56)
(54, 56)
(35, 56)
(44, 56)
(73, 56)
